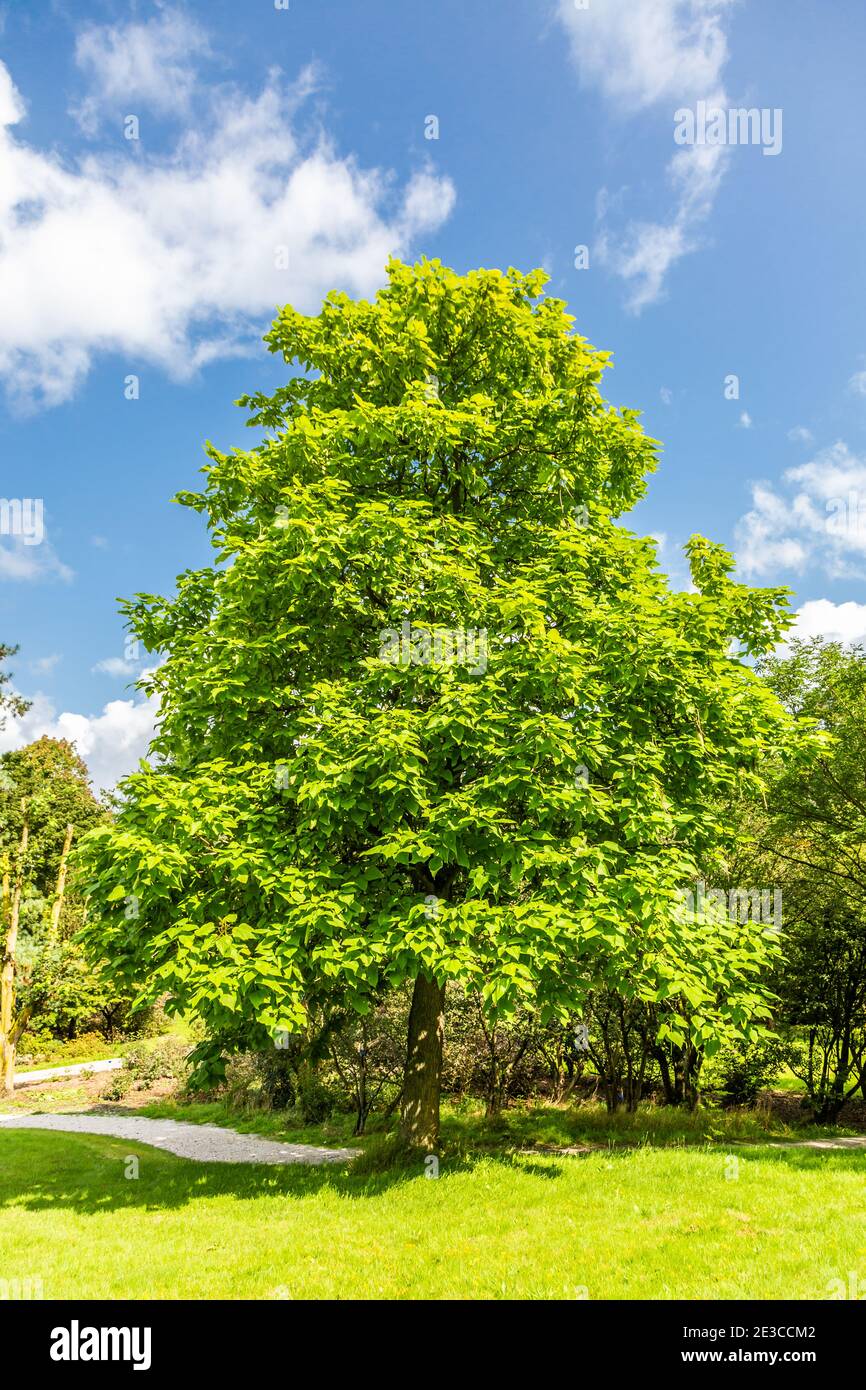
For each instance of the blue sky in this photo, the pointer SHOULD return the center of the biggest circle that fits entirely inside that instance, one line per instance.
(281, 152)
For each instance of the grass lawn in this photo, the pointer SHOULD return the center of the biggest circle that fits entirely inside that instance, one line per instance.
(642, 1222)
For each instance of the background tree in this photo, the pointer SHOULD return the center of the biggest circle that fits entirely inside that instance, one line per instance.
(432, 715)
(808, 836)
(10, 896)
(45, 800)
(816, 810)
(10, 703)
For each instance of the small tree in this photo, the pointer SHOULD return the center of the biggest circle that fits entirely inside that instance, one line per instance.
(45, 799)
(10, 703)
(812, 830)
(432, 714)
(822, 983)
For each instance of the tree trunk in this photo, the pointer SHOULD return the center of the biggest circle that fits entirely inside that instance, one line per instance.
(60, 891)
(8, 1034)
(422, 1078)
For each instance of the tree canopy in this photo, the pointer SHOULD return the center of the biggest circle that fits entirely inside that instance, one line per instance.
(432, 712)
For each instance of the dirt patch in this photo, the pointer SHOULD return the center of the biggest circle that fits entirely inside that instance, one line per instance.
(788, 1106)
(78, 1092)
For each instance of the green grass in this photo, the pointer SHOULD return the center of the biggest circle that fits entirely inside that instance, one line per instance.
(642, 1223)
(465, 1130)
(787, 1081)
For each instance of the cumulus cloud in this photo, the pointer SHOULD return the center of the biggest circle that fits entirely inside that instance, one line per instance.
(645, 51)
(31, 563)
(644, 54)
(839, 622)
(112, 743)
(44, 665)
(115, 666)
(179, 259)
(149, 64)
(815, 517)
(800, 435)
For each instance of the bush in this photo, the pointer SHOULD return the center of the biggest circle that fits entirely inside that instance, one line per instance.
(166, 1060)
(277, 1073)
(280, 1079)
(119, 1086)
(38, 1046)
(315, 1099)
(741, 1070)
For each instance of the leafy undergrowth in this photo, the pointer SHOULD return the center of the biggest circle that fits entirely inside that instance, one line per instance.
(36, 1053)
(656, 1223)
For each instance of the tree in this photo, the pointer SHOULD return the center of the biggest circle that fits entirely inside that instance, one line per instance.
(816, 820)
(822, 984)
(431, 714)
(45, 799)
(10, 901)
(10, 703)
(813, 833)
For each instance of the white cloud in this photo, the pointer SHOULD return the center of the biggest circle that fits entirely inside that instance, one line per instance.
(800, 435)
(111, 743)
(815, 517)
(666, 395)
(44, 665)
(31, 563)
(136, 65)
(839, 622)
(745, 420)
(642, 54)
(175, 261)
(115, 666)
(858, 383)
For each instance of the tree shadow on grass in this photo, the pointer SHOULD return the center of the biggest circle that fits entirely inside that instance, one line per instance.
(87, 1173)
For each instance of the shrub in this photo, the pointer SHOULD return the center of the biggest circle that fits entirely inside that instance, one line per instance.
(166, 1060)
(119, 1085)
(741, 1070)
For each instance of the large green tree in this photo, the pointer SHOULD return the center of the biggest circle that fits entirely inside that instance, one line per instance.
(432, 714)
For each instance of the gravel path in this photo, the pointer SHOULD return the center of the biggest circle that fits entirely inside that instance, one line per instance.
(31, 1078)
(204, 1143)
(854, 1143)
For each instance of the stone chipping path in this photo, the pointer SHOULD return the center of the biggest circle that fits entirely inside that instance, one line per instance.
(203, 1143)
(34, 1078)
(858, 1142)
